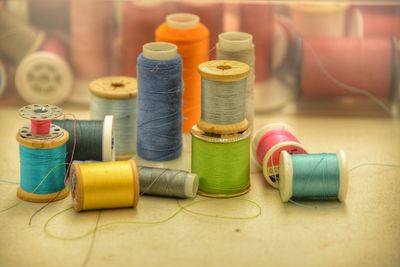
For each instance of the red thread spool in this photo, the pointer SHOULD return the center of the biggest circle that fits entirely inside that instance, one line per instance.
(258, 21)
(267, 146)
(366, 64)
(371, 23)
(40, 127)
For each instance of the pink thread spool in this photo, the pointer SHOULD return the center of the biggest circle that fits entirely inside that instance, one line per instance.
(267, 146)
(40, 116)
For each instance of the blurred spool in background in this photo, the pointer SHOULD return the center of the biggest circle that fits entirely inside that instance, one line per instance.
(116, 95)
(364, 23)
(104, 185)
(368, 64)
(49, 15)
(94, 139)
(319, 19)
(21, 38)
(257, 20)
(45, 76)
(192, 38)
(222, 163)
(90, 36)
(267, 145)
(139, 22)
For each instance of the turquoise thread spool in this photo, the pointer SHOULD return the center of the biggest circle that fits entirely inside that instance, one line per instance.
(42, 156)
(313, 176)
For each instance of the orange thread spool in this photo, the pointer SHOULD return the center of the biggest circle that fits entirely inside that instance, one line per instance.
(366, 64)
(192, 39)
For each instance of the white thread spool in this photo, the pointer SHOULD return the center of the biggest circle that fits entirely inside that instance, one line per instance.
(286, 176)
(43, 77)
(182, 20)
(239, 46)
(116, 95)
(159, 51)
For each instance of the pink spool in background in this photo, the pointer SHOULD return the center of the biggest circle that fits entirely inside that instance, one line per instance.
(257, 20)
(267, 146)
(371, 23)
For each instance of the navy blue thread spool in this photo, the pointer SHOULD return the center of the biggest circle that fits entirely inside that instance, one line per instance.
(159, 74)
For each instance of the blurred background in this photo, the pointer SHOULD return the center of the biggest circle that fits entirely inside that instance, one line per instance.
(314, 58)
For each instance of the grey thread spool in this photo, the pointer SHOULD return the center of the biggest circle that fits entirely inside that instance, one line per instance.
(239, 46)
(223, 89)
(167, 182)
(18, 39)
(94, 138)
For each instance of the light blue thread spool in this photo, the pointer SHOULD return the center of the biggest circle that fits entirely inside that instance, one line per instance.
(159, 74)
(42, 166)
(313, 176)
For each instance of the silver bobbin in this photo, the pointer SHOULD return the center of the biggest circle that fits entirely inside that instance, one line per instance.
(26, 132)
(40, 112)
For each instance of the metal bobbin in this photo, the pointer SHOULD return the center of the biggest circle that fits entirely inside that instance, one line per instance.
(40, 112)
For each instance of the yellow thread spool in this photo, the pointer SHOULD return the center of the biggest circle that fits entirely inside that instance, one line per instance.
(104, 185)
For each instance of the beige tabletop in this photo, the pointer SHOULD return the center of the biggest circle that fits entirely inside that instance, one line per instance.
(365, 231)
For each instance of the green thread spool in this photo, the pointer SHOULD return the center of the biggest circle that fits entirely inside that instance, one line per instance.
(313, 176)
(222, 163)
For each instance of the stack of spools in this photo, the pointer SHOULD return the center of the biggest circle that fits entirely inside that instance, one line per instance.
(221, 139)
(43, 153)
(298, 175)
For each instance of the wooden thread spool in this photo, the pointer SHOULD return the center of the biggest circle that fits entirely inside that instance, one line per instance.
(40, 143)
(367, 64)
(227, 75)
(116, 95)
(104, 185)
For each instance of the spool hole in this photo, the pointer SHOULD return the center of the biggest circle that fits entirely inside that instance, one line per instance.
(117, 85)
(40, 110)
(224, 67)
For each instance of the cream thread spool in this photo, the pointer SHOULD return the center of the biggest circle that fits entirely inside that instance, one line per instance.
(225, 74)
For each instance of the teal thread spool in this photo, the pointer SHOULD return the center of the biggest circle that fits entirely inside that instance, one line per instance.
(313, 176)
(42, 153)
(222, 163)
(42, 167)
